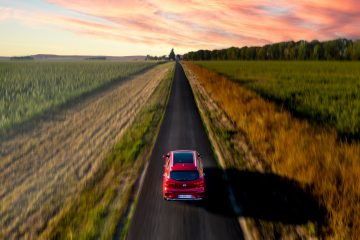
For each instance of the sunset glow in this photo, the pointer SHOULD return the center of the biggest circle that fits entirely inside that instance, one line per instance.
(134, 27)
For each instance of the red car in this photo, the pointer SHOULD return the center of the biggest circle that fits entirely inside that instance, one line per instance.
(183, 176)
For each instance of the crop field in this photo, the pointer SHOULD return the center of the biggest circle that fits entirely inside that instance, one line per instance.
(30, 88)
(45, 167)
(266, 139)
(327, 93)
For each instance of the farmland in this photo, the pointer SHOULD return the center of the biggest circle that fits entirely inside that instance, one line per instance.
(98, 209)
(42, 170)
(28, 89)
(327, 93)
(257, 135)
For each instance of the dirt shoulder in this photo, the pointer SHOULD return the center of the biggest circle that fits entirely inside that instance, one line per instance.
(43, 167)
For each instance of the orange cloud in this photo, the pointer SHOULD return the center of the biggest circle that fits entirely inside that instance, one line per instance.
(193, 24)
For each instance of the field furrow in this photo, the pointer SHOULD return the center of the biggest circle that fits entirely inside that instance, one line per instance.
(43, 167)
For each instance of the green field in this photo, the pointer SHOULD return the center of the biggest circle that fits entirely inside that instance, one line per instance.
(30, 88)
(327, 93)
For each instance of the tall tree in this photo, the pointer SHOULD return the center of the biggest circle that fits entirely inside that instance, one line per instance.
(302, 50)
(172, 55)
(356, 50)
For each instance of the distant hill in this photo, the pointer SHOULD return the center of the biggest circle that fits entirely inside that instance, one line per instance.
(53, 57)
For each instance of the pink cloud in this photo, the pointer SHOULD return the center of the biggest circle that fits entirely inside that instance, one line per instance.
(8, 13)
(193, 24)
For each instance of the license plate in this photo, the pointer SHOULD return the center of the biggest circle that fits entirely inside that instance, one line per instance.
(184, 196)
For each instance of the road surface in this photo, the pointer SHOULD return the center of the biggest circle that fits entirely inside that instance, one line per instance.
(156, 218)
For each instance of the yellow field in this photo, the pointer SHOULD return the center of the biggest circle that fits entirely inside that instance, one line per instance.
(292, 148)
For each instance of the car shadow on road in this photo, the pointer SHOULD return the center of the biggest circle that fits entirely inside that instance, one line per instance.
(262, 196)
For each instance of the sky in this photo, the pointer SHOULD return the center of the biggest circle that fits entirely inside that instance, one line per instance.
(141, 27)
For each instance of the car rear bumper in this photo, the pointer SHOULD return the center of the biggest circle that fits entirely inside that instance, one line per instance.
(182, 199)
(174, 194)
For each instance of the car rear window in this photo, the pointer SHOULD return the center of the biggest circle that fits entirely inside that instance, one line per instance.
(184, 175)
(183, 157)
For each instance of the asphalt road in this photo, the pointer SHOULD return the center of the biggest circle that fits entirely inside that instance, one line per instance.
(156, 218)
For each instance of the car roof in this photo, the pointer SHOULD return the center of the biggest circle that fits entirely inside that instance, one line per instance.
(183, 166)
(183, 150)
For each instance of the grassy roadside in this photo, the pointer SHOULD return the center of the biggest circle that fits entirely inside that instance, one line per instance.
(262, 140)
(96, 212)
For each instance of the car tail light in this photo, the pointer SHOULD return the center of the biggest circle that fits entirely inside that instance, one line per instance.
(199, 183)
(170, 184)
(195, 184)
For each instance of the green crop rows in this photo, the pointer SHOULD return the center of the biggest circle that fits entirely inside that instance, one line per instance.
(30, 88)
(327, 93)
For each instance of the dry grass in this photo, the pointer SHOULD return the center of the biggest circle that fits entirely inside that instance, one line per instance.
(323, 92)
(43, 167)
(294, 149)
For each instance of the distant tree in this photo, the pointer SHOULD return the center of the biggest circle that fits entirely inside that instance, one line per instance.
(356, 50)
(273, 51)
(250, 53)
(314, 50)
(332, 50)
(22, 58)
(302, 50)
(156, 58)
(172, 55)
(232, 53)
(240, 53)
(347, 49)
(282, 47)
(260, 54)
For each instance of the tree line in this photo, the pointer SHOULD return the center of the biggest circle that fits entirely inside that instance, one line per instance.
(339, 49)
(22, 58)
(172, 56)
(156, 58)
